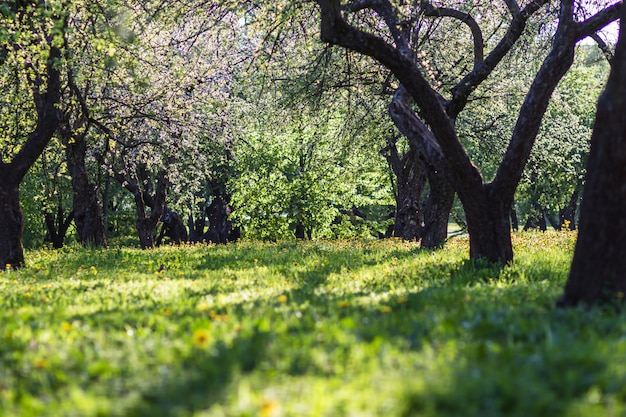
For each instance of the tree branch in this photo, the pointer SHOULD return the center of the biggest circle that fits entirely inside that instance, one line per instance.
(465, 87)
(477, 33)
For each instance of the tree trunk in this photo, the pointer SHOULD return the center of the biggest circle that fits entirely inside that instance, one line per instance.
(427, 153)
(489, 226)
(411, 180)
(11, 249)
(58, 226)
(437, 211)
(11, 174)
(598, 269)
(87, 209)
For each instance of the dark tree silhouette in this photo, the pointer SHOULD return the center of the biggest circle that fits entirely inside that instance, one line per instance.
(46, 92)
(598, 269)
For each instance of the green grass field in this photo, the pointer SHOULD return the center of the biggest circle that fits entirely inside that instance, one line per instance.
(348, 328)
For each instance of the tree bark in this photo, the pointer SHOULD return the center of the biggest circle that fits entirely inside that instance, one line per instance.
(598, 270)
(437, 210)
(87, 209)
(428, 153)
(411, 181)
(11, 221)
(48, 117)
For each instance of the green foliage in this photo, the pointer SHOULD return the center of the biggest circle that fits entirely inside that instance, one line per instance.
(308, 328)
(297, 169)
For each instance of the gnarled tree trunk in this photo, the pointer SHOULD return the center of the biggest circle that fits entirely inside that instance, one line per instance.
(11, 174)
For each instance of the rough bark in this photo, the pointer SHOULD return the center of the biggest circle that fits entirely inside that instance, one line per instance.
(437, 210)
(12, 173)
(11, 249)
(598, 269)
(87, 209)
(409, 218)
(433, 163)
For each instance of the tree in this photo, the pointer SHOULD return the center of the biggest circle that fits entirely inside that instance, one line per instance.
(36, 64)
(598, 270)
(487, 205)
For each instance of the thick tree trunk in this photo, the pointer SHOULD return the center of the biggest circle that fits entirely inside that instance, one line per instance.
(87, 209)
(489, 226)
(411, 180)
(11, 223)
(433, 220)
(599, 266)
(11, 174)
(437, 211)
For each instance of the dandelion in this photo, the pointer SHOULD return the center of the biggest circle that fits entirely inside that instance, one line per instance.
(282, 298)
(202, 338)
(344, 303)
(269, 408)
(385, 309)
(66, 326)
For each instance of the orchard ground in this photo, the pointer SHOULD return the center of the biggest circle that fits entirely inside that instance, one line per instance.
(325, 328)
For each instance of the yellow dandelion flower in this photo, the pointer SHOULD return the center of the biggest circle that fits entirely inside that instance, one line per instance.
(66, 326)
(402, 300)
(202, 338)
(385, 309)
(269, 408)
(282, 298)
(344, 303)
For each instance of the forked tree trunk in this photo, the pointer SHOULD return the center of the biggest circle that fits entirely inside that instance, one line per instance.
(426, 154)
(57, 226)
(599, 266)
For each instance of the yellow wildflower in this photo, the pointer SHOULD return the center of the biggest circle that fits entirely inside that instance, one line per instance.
(282, 298)
(269, 408)
(202, 338)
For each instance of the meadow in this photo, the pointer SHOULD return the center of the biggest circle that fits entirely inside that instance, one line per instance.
(326, 328)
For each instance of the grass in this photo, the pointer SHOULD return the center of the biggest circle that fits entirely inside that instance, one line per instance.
(346, 328)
